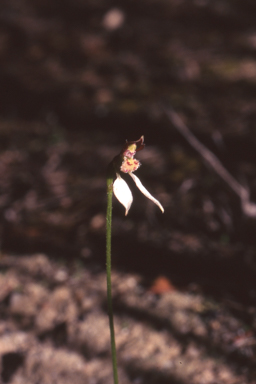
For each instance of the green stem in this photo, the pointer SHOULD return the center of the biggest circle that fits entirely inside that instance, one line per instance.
(108, 265)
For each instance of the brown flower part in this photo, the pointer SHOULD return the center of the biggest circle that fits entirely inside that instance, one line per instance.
(131, 147)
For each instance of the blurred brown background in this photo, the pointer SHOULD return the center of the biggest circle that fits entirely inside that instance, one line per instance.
(77, 79)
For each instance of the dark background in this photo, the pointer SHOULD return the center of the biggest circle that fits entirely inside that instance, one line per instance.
(74, 86)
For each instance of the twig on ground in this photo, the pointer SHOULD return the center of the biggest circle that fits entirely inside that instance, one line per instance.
(248, 207)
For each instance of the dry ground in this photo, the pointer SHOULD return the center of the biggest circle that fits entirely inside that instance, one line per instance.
(54, 328)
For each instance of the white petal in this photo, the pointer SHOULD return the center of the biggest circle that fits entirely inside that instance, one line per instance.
(123, 193)
(145, 191)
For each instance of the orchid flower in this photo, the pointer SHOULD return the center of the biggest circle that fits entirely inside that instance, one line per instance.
(126, 163)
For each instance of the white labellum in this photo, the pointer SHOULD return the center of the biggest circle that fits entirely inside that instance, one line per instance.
(145, 191)
(123, 193)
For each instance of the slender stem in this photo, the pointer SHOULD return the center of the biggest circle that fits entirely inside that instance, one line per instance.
(108, 265)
